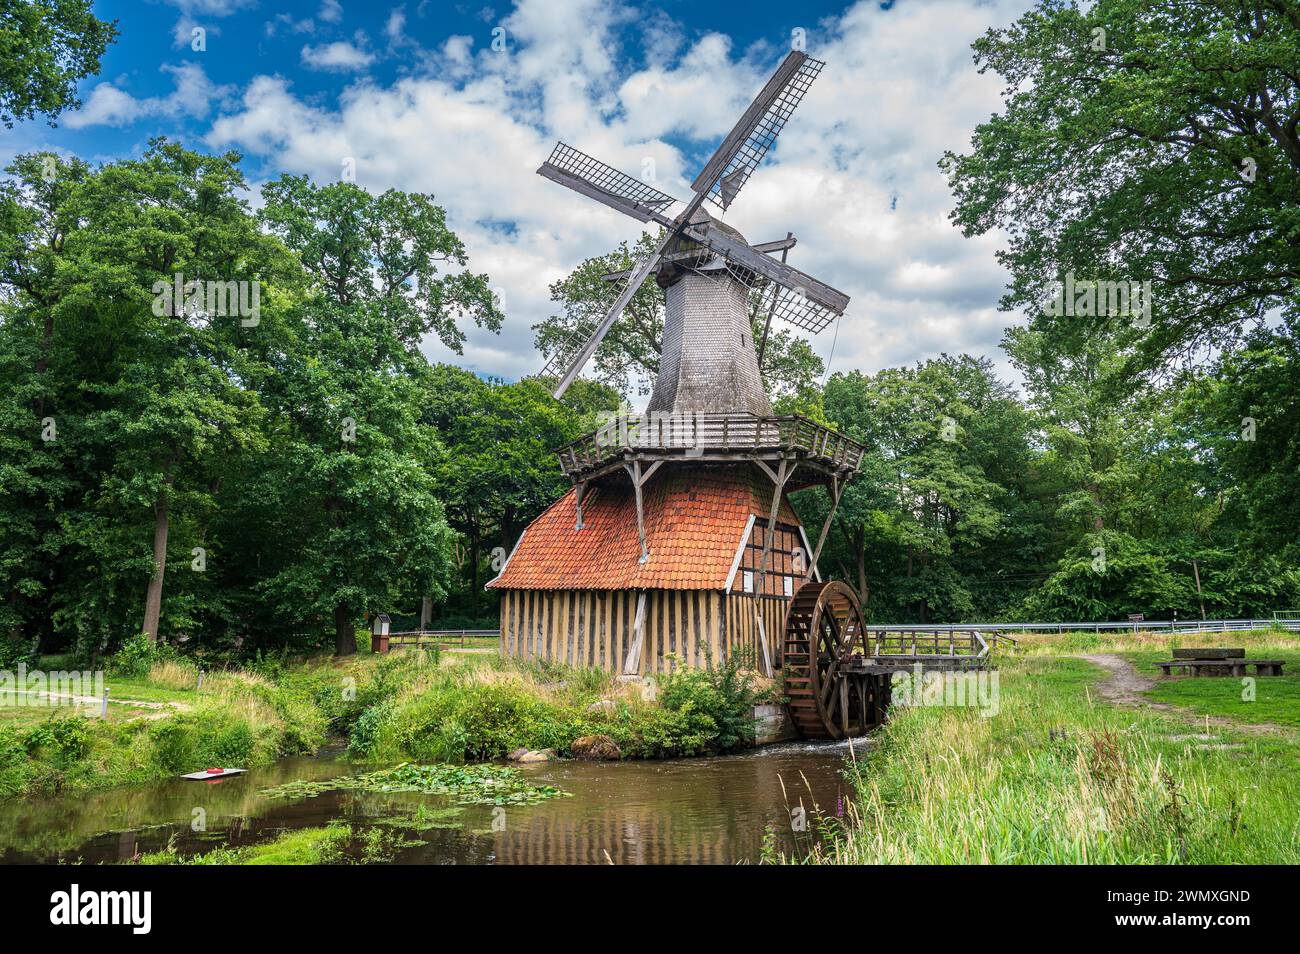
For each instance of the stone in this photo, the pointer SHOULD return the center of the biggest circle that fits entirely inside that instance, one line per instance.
(518, 754)
(596, 748)
(607, 706)
(544, 755)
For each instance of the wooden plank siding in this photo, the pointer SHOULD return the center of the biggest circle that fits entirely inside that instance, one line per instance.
(593, 628)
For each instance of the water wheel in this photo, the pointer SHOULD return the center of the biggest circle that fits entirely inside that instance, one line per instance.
(823, 629)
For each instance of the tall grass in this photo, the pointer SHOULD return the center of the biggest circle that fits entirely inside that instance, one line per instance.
(1056, 777)
(486, 711)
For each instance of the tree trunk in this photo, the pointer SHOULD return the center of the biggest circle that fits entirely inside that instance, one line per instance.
(860, 549)
(1098, 522)
(345, 634)
(153, 598)
(473, 574)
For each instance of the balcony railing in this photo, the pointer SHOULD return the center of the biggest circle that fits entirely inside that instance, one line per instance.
(709, 435)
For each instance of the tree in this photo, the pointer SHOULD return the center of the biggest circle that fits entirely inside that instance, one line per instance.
(1145, 141)
(627, 359)
(127, 398)
(46, 47)
(358, 457)
(498, 470)
(924, 513)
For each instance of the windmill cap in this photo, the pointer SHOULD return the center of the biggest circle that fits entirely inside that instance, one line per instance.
(702, 216)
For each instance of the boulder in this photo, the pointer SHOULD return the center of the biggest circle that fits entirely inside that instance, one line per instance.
(596, 748)
(607, 706)
(518, 754)
(545, 755)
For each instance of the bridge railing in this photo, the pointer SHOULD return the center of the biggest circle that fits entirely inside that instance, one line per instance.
(1179, 626)
(921, 642)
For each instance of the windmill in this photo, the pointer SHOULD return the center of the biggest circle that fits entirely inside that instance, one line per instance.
(709, 357)
(719, 562)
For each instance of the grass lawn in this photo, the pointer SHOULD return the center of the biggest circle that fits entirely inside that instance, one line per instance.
(1057, 775)
(1276, 699)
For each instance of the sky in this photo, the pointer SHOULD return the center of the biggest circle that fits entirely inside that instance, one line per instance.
(465, 100)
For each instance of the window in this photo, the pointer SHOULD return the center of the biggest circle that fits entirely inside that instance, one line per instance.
(749, 581)
(789, 585)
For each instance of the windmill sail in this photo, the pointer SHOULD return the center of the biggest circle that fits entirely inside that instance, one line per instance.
(693, 240)
(749, 142)
(643, 268)
(591, 177)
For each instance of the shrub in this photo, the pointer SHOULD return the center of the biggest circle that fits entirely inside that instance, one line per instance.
(715, 706)
(135, 657)
(60, 741)
(15, 651)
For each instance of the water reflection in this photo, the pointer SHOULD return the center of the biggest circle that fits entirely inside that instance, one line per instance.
(693, 811)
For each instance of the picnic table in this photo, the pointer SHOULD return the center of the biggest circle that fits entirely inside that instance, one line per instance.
(1219, 662)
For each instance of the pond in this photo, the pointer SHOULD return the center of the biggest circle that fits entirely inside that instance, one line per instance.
(701, 811)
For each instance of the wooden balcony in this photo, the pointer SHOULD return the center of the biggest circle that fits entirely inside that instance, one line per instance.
(709, 438)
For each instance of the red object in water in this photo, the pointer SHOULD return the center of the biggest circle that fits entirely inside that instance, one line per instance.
(215, 771)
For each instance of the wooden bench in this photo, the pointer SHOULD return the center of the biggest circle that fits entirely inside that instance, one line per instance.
(1223, 666)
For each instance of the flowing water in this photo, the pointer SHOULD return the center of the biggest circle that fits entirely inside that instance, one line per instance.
(710, 810)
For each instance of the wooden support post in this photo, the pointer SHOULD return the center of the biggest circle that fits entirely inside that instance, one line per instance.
(639, 479)
(779, 478)
(579, 489)
(836, 489)
(632, 664)
(844, 703)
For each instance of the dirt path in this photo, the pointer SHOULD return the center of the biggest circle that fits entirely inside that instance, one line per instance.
(158, 710)
(1125, 687)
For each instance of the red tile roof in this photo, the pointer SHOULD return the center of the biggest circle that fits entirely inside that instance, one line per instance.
(694, 520)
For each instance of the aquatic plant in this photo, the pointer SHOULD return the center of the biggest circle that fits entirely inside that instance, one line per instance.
(466, 784)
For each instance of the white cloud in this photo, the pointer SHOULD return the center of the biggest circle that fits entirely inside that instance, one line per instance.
(331, 11)
(340, 56)
(110, 105)
(395, 26)
(306, 25)
(192, 10)
(854, 174)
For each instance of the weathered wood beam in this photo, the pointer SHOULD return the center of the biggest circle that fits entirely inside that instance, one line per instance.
(579, 488)
(767, 248)
(632, 663)
(836, 489)
(769, 537)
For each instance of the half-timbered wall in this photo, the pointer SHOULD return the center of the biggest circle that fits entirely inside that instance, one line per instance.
(787, 560)
(595, 628)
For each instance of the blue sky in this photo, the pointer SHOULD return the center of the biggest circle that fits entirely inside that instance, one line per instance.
(412, 95)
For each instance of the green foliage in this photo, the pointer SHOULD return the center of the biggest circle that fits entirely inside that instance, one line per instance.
(136, 656)
(60, 741)
(715, 707)
(467, 784)
(46, 47)
(1167, 152)
(1055, 778)
(467, 714)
